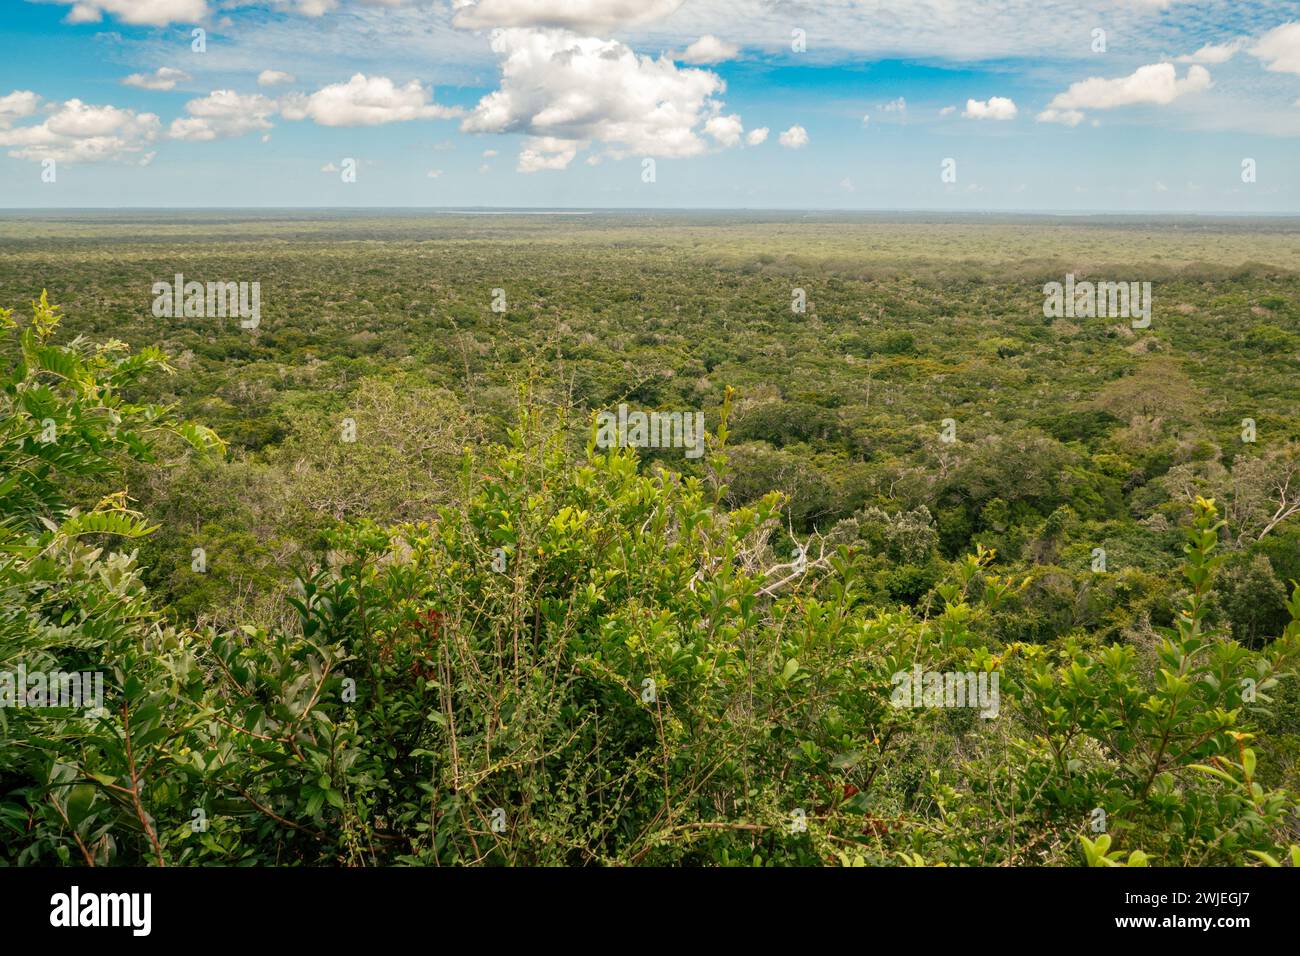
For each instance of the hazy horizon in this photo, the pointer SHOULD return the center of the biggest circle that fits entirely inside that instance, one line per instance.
(787, 211)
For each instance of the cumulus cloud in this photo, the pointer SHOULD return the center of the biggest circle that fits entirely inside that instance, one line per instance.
(78, 132)
(557, 85)
(947, 111)
(591, 15)
(995, 108)
(546, 152)
(1064, 117)
(709, 49)
(757, 136)
(1156, 84)
(1279, 49)
(154, 13)
(163, 78)
(223, 113)
(1213, 53)
(796, 137)
(365, 101)
(16, 105)
(895, 106)
(727, 130)
(274, 77)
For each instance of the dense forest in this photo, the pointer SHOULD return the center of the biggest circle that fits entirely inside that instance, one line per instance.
(366, 589)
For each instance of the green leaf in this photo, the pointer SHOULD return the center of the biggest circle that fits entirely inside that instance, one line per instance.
(1215, 771)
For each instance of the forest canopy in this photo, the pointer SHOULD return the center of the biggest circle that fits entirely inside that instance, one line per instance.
(366, 584)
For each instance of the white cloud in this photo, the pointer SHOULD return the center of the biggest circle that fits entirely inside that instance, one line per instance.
(365, 101)
(489, 153)
(223, 113)
(1064, 117)
(154, 13)
(570, 14)
(434, 173)
(546, 152)
(163, 78)
(272, 77)
(796, 137)
(1156, 84)
(16, 105)
(995, 108)
(895, 106)
(77, 132)
(566, 87)
(947, 111)
(709, 49)
(727, 130)
(329, 168)
(1279, 49)
(756, 137)
(1213, 53)
(847, 184)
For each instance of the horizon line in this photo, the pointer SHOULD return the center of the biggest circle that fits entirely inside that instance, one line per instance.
(589, 210)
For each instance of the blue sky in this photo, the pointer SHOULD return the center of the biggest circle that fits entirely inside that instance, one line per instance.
(550, 103)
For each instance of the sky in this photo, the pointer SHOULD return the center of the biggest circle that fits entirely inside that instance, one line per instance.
(1177, 106)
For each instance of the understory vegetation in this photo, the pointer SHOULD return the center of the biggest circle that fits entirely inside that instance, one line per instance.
(366, 590)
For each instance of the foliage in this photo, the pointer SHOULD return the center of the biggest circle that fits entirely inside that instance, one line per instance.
(581, 658)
